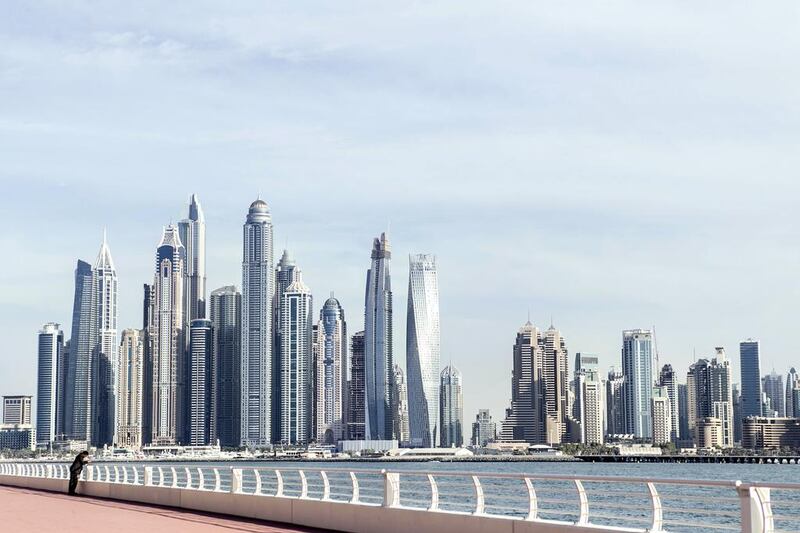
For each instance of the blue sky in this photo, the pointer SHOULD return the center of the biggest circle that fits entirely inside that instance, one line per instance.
(612, 165)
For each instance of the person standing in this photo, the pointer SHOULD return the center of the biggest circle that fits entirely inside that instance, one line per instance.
(76, 469)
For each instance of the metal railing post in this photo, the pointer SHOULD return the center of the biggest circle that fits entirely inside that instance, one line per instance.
(391, 488)
(533, 503)
(480, 502)
(148, 476)
(326, 486)
(658, 511)
(434, 493)
(303, 485)
(756, 509)
(583, 518)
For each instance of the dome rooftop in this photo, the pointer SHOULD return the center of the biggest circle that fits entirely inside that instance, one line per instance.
(259, 205)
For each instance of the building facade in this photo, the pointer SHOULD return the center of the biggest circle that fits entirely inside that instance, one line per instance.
(296, 383)
(637, 367)
(167, 336)
(200, 383)
(710, 395)
(451, 408)
(667, 378)
(615, 404)
(423, 349)
(378, 344)
(78, 385)
(588, 407)
(356, 387)
(51, 345)
(104, 352)
(225, 313)
(770, 433)
(192, 231)
(750, 368)
(402, 428)
(772, 385)
(257, 293)
(661, 407)
(17, 410)
(130, 390)
(331, 363)
(484, 429)
(792, 400)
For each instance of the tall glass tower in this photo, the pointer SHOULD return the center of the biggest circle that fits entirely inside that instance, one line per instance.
(129, 396)
(51, 345)
(201, 383)
(422, 349)
(104, 354)
(750, 368)
(192, 231)
(378, 352)
(295, 370)
(77, 403)
(226, 312)
(257, 292)
(167, 337)
(452, 408)
(331, 374)
(637, 389)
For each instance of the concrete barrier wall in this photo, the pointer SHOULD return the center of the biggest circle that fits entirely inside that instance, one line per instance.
(341, 516)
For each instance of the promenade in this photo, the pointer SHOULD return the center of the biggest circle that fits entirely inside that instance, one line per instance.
(49, 512)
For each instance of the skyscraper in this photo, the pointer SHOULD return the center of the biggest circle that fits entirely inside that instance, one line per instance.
(792, 401)
(710, 395)
(104, 352)
(661, 416)
(615, 403)
(451, 408)
(356, 387)
(284, 276)
(296, 381)
(331, 374)
(737, 413)
(17, 410)
(130, 389)
(750, 368)
(200, 383)
(51, 343)
(257, 292)
(539, 388)
(422, 349)
(668, 379)
(588, 405)
(772, 385)
(378, 350)
(167, 337)
(192, 231)
(484, 430)
(684, 430)
(402, 431)
(148, 331)
(225, 312)
(637, 367)
(77, 408)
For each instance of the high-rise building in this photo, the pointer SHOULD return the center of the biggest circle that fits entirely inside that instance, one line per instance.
(192, 231)
(539, 388)
(750, 368)
(451, 408)
(710, 396)
(51, 344)
(737, 413)
(792, 401)
(296, 391)
(356, 388)
(148, 330)
(588, 404)
(402, 430)
(331, 374)
(484, 430)
(17, 410)
(284, 276)
(378, 344)
(637, 366)
(257, 293)
(225, 312)
(615, 404)
(662, 416)
(683, 416)
(61, 392)
(77, 406)
(772, 385)
(167, 337)
(422, 349)
(104, 352)
(668, 379)
(130, 389)
(200, 383)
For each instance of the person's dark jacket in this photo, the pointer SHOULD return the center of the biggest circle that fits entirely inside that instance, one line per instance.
(77, 465)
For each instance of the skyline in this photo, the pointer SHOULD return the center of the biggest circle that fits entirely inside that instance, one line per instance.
(634, 173)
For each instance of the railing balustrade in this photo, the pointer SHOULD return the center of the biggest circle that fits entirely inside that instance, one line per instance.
(645, 504)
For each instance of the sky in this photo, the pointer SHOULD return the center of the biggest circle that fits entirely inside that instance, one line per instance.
(600, 165)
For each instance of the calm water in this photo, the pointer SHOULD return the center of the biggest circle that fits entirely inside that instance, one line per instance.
(686, 508)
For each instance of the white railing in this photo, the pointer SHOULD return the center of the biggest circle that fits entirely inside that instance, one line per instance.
(640, 504)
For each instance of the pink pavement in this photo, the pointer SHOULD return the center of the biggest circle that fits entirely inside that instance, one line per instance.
(23, 510)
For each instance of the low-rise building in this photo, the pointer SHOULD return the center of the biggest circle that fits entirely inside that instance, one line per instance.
(17, 437)
(710, 432)
(765, 433)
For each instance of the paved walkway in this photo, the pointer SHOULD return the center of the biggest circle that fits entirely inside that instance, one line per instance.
(48, 512)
